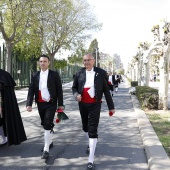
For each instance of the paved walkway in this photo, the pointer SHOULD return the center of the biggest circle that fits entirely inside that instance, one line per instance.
(126, 141)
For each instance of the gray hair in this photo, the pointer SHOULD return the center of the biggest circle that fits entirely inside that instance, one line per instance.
(89, 54)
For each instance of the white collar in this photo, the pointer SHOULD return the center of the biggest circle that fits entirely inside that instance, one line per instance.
(44, 72)
(91, 71)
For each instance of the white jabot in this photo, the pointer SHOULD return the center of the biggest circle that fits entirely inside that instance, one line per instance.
(110, 79)
(43, 85)
(90, 82)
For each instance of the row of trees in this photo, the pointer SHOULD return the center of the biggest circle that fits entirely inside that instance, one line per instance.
(31, 27)
(154, 58)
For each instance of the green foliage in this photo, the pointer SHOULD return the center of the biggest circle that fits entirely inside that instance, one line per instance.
(147, 96)
(60, 64)
(120, 71)
(92, 49)
(134, 83)
(77, 56)
(93, 46)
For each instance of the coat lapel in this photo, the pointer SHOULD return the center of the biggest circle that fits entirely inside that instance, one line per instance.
(83, 76)
(96, 73)
(38, 78)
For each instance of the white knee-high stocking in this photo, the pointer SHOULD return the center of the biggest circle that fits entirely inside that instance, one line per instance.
(51, 138)
(4, 138)
(92, 145)
(47, 140)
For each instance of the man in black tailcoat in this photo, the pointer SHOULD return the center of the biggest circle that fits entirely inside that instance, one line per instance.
(46, 86)
(89, 85)
(116, 80)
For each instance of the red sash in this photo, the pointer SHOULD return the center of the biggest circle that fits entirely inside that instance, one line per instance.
(86, 97)
(40, 97)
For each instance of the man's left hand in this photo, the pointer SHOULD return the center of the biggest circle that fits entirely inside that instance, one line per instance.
(61, 107)
(111, 112)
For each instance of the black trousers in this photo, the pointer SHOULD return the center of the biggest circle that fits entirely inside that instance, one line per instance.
(90, 115)
(111, 87)
(47, 112)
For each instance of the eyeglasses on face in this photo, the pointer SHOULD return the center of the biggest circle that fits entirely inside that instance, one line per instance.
(88, 60)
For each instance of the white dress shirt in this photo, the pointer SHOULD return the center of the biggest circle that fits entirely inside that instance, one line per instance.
(90, 82)
(110, 79)
(43, 85)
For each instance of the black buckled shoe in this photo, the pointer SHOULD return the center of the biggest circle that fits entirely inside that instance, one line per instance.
(88, 150)
(51, 145)
(44, 155)
(90, 166)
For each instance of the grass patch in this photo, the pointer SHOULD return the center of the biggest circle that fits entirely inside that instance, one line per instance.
(160, 121)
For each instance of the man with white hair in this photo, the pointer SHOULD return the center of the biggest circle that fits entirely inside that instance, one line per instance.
(88, 87)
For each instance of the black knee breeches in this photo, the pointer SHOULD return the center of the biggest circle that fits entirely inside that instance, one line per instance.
(90, 114)
(47, 112)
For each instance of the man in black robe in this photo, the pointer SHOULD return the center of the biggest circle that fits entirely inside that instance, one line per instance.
(11, 126)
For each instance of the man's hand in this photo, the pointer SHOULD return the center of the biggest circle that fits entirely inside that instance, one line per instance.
(61, 107)
(29, 108)
(79, 97)
(111, 112)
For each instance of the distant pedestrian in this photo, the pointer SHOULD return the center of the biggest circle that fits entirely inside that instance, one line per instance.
(110, 83)
(154, 77)
(116, 79)
(11, 125)
(88, 87)
(47, 88)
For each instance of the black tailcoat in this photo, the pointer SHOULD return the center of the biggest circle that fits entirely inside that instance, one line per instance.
(100, 85)
(54, 86)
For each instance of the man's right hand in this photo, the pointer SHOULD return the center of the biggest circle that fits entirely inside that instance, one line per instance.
(79, 97)
(29, 108)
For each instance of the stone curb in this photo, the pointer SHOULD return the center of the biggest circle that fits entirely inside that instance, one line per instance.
(156, 155)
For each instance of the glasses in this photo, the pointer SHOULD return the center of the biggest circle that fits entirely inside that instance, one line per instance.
(88, 60)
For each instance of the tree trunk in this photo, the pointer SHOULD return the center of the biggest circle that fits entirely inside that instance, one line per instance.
(9, 57)
(146, 74)
(51, 61)
(139, 73)
(164, 80)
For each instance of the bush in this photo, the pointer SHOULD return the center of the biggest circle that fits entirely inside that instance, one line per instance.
(134, 83)
(147, 96)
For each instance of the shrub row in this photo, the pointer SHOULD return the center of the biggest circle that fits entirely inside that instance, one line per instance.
(147, 96)
(134, 83)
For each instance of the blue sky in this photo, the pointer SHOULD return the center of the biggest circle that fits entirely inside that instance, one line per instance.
(126, 23)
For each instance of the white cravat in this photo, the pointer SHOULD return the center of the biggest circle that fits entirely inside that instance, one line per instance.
(110, 79)
(90, 82)
(43, 85)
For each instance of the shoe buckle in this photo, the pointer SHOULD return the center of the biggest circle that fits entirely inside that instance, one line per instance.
(90, 166)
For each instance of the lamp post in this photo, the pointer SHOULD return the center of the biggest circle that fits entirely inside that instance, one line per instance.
(97, 56)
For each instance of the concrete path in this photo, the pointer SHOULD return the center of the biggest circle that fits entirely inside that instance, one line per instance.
(120, 145)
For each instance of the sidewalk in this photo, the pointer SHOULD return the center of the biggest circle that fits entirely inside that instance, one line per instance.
(121, 142)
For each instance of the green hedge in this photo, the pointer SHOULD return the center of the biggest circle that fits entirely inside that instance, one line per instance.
(147, 96)
(134, 83)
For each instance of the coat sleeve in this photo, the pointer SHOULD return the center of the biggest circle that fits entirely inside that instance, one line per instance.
(59, 89)
(107, 94)
(75, 86)
(31, 92)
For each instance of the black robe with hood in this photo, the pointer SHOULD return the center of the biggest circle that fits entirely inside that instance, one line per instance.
(13, 125)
